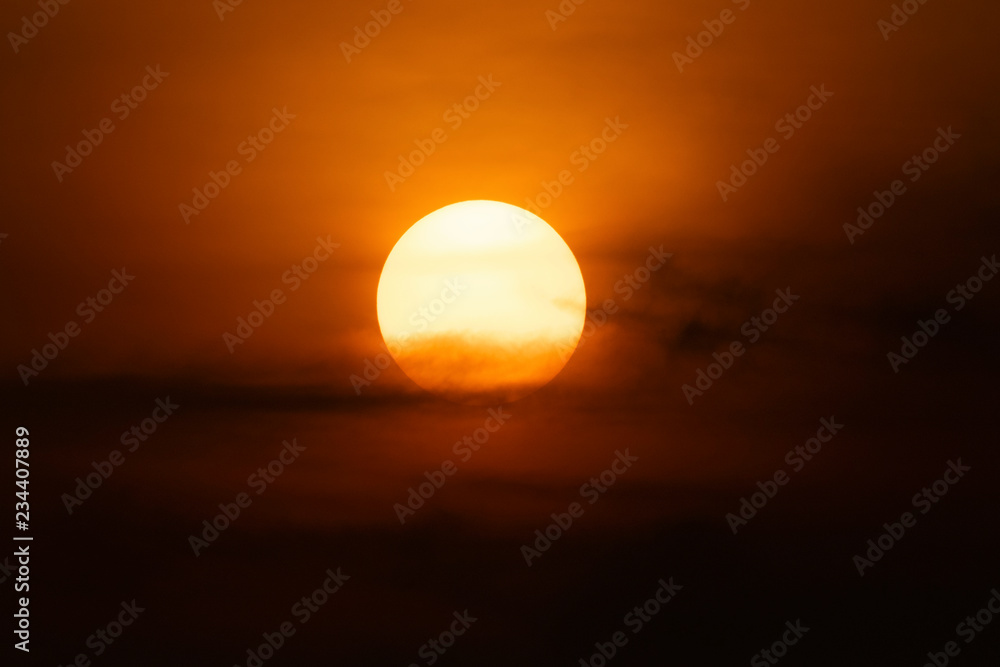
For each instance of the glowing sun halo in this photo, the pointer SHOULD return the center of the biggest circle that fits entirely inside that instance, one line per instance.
(481, 302)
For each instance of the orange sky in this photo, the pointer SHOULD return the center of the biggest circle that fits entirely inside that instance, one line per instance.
(324, 174)
(317, 196)
(321, 182)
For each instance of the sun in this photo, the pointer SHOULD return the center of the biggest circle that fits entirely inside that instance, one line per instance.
(481, 302)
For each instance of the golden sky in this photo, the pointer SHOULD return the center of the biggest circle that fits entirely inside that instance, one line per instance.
(254, 174)
(324, 174)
